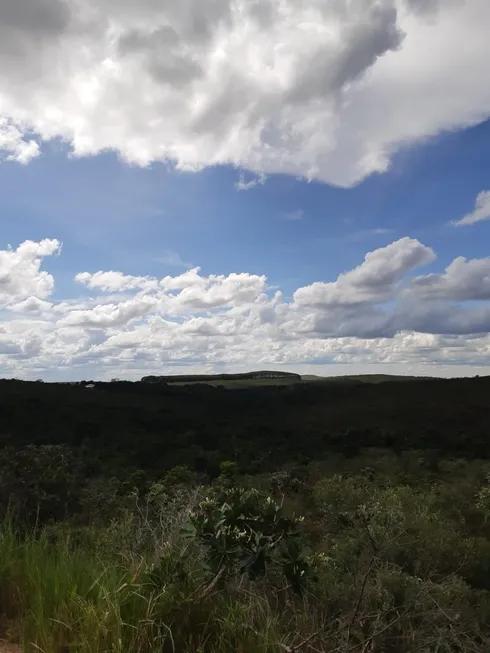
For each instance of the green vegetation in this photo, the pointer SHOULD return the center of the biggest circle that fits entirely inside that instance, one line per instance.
(311, 517)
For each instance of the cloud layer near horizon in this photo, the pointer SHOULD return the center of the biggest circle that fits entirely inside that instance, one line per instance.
(325, 90)
(382, 311)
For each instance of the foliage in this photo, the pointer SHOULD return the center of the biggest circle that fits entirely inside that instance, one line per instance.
(228, 473)
(245, 532)
(39, 483)
(284, 482)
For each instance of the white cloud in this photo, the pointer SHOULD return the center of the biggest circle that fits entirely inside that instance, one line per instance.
(30, 305)
(220, 291)
(462, 280)
(323, 90)
(14, 146)
(374, 281)
(20, 271)
(185, 280)
(480, 212)
(198, 293)
(110, 315)
(252, 183)
(376, 314)
(114, 281)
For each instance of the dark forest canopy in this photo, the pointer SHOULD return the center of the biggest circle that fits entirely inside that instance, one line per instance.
(124, 426)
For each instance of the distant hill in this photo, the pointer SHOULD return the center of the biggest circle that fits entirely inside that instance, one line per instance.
(364, 378)
(273, 377)
(269, 377)
(262, 375)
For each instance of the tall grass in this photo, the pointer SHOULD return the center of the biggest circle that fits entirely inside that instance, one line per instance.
(59, 595)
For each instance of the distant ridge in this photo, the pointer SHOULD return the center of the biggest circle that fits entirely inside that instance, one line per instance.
(365, 378)
(274, 375)
(245, 376)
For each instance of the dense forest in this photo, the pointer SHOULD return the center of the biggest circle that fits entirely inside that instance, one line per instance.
(124, 427)
(331, 516)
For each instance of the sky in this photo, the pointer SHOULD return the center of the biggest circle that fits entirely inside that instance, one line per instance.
(229, 185)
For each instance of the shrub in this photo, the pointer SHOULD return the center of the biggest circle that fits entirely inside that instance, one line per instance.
(245, 532)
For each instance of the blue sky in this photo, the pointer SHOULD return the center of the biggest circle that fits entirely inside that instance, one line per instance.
(349, 209)
(110, 215)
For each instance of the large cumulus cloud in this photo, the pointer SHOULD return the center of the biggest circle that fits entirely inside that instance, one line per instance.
(374, 281)
(325, 90)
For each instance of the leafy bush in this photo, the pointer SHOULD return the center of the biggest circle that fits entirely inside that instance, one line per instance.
(245, 532)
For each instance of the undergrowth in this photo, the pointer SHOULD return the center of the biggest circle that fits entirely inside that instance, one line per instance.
(376, 559)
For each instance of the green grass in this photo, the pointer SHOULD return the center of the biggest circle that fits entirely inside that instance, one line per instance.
(59, 596)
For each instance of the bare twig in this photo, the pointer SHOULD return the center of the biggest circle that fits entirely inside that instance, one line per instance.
(209, 588)
(171, 636)
(360, 597)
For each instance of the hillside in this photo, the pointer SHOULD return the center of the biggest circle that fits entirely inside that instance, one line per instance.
(363, 378)
(250, 377)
